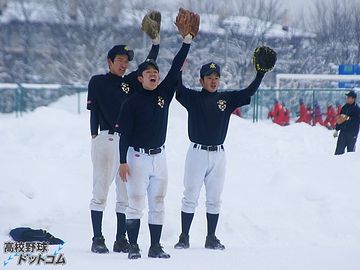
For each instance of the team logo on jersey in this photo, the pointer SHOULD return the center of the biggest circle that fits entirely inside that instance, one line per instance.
(221, 104)
(125, 87)
(160, 102)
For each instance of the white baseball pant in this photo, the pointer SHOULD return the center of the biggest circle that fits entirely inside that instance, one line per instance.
(148, 176)
(208, 168)
(106, 161)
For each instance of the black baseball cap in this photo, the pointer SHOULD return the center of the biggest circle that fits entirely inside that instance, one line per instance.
(146, 65)
(351, 94)
(120, 50)
(209, 69)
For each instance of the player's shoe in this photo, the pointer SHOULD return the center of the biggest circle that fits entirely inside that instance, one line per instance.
(213, 243)
(183, 242)
(157, 251)
(121, 245)
(98, 245)
(134, 252)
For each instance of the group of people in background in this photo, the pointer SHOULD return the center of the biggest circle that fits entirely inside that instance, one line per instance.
(280, 114)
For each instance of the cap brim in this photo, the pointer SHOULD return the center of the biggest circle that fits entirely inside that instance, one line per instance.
(350, 95)
(210, 72)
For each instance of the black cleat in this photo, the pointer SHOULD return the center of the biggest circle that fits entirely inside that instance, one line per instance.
(121, 245)
(98, 245)
(157, 251)
(183, 242)
(134, 252)
(213, 243)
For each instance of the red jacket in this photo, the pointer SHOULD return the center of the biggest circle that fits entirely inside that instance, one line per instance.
(286, 117)
(339, 109)
(237, 112)
(278, 114)
(330, 120)
(302, 114)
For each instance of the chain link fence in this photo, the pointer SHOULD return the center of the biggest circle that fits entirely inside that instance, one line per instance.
(21, 98)
(264, 99)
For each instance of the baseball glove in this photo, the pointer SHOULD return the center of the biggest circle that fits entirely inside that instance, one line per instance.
(183, 22)
(194, 24)
(341, 119)
(151, 24)
(264, 59)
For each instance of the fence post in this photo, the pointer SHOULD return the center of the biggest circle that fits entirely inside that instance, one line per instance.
(261, 105)
(79, 101)
(254, 105)
(313, 107)
(17, 102)
(257, 106)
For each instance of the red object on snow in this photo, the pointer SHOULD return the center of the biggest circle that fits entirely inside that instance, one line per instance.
(237, 112)
(277, 114)
(286, 117)
(330, 120)
(302, 114)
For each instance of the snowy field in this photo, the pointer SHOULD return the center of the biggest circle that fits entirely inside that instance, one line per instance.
(288, 202)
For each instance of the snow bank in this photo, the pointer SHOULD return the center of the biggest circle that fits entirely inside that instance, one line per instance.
(288, 202)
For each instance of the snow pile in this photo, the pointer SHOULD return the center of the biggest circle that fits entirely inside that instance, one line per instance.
(288, 202)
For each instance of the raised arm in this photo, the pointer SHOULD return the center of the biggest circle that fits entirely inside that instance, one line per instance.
(188, 24)
(182, 92)
(264, 60)
(173, 74)
(151, 26)
(242, 97)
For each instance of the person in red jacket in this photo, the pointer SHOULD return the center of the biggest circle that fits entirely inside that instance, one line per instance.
(309, 114)
(318, 115)
(338, 107)
(238, 112)
(278, 113)
(330, 120)
(302, 113)
(286, 121)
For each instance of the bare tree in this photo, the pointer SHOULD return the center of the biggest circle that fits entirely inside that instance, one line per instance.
(336, 26)
(261, 17)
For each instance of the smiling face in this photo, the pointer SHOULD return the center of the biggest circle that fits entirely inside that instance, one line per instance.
(119, 65)
(150, 78)
(211, 82)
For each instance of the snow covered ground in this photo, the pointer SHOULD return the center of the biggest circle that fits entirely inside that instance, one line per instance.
(288, 202)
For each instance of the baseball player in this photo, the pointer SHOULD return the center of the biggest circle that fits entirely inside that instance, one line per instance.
(348, 124)
(143, 125)
(209, 112)
(106, 93)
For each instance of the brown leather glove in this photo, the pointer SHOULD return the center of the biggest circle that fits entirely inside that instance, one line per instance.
(195, 24)
(341, 119)
(183, 22)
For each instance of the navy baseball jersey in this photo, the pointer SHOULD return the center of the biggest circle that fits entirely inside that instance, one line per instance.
(209, 113)
(144, 116)
(107, 92)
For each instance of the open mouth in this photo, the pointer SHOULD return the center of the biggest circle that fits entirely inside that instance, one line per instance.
(152, 80)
